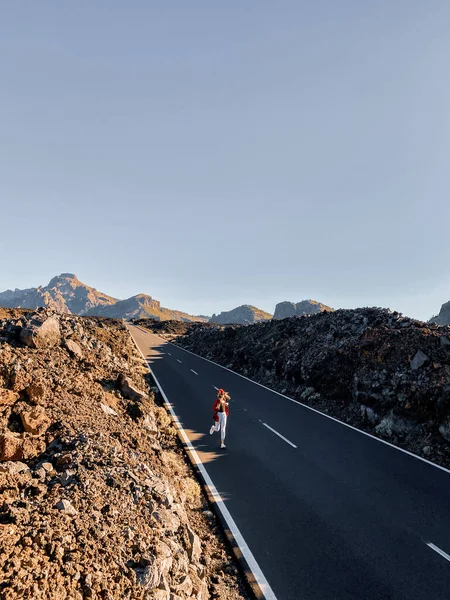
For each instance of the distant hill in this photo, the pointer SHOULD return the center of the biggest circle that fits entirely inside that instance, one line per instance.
(242, 315)
(67, 294)
(284, 310)
(443, 318)
(142, 307)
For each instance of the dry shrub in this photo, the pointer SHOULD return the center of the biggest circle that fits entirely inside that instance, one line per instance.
(162, 417)
(191, 491)
(174, 463)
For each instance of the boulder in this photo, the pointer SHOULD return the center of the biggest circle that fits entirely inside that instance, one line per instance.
(39, 333)
(128, 390)
(36, 420)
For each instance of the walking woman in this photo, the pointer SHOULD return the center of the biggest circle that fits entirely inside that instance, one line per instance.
(220, 408)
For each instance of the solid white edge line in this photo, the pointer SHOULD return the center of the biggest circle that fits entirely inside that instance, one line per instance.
(377, 439)
(242, 544)
(279, 435)
(439, 551)
(195, 372)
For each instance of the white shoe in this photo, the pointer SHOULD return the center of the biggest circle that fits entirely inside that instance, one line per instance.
(222, 445)
(211, 431)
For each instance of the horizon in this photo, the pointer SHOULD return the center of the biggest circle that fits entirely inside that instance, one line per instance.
(216, 155)
(209, 314)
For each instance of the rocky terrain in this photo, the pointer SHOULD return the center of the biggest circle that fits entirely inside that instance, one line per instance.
(284, 310)
(370, 367)
(171, 328)
(97, 499)
(67, 294)
(443, 318)
(242, 315)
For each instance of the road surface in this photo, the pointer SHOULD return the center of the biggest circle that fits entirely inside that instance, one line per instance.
(328, 512)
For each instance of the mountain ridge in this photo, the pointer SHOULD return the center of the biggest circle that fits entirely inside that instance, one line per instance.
(67, 294)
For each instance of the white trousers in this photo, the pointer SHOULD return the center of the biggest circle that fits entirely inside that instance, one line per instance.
(221, 424)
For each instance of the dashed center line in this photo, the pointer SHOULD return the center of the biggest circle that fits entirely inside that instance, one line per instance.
(169, 354)
(215, 388)
(195, 373)
(279, 435)
(179, 361)
(439, 551)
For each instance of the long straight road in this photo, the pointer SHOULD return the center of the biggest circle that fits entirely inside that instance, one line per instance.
(328, 512)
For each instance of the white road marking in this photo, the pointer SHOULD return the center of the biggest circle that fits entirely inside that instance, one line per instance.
(279, 435)
(169, 354)
(260, 579)
(439, 551)
(377, 439)
(178, 360)
(195, 373)
(215, 388)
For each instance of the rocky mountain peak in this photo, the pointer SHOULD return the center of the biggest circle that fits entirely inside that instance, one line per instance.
(284, 310)
(241, 315)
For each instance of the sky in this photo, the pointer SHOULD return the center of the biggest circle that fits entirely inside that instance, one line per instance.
(213, 154)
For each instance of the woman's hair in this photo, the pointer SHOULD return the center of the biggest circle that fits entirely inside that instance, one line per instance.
(222, 394)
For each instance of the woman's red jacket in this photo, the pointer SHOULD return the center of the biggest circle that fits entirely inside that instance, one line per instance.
(216, 410)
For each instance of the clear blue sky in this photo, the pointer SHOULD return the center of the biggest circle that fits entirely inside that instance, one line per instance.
(218, 153)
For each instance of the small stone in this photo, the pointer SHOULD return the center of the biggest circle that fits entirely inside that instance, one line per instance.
(66, 477)
(35, 421)
(445, 342)
(36, 392)
(47, 466)
(11, 446)
(13, 467)
(108, 410)
(7, 397)
(194, 547)
(128, 389)
(73, 348)
(150, 424)
(419, 360)
(66, 507)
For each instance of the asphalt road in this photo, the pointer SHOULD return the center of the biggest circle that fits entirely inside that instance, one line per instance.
(329, 513)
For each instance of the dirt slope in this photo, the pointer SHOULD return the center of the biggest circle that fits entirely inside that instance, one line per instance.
(97, 499)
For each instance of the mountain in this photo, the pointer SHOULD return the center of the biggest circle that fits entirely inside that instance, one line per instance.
(66, 293)
(283, 310)
(142, 307)
(443, 318)
(242, 315)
